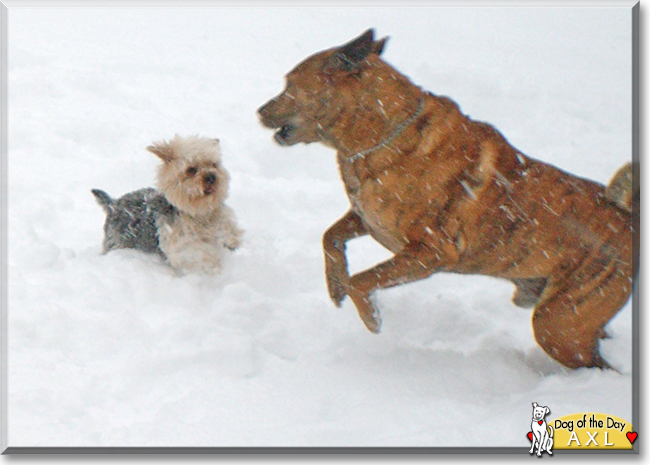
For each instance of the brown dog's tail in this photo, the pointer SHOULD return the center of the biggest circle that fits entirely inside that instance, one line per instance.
(621, 190)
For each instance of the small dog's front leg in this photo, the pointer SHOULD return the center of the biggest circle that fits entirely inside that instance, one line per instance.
(336, 263)
(412, 263)
(234, 240)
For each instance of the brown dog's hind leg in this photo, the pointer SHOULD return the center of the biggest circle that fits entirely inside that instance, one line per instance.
(411, 264)
(336, 263)
(569, 319)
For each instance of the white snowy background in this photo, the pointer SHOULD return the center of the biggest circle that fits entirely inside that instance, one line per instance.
(118, 350)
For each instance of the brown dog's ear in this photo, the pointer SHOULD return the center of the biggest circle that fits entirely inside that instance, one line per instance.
(378, 46)
(163, 151)
(349, 56)
(358, 49)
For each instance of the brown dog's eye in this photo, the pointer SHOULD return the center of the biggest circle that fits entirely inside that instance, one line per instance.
(191, 171)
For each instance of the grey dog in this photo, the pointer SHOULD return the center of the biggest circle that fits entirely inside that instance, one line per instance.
(132, 220)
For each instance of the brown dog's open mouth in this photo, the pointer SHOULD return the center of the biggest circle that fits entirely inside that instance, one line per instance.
(283, 136)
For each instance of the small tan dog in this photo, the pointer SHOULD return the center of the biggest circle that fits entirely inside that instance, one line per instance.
(184, 220)
(196, 234)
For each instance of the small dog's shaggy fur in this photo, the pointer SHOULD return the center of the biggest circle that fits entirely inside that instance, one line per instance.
(185, 219)
(131, 219)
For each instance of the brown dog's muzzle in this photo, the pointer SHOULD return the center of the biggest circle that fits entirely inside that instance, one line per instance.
(273, 117)
(266, 114)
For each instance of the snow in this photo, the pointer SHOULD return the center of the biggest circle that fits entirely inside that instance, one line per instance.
(119, 350)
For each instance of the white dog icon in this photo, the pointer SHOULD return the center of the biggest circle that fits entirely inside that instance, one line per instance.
(542, 433)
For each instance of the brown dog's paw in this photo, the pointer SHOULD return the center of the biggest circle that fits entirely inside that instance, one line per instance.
(337, 288)
(368, 311)
(600, 362)
(372, 322)
(528, 291)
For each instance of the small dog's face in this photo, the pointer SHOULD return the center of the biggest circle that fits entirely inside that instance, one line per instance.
(539, 412)
(191, 177)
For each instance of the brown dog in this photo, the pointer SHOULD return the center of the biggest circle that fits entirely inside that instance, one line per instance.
(446, 193)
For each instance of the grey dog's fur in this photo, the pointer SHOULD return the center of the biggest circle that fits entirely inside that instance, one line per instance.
(132, 220)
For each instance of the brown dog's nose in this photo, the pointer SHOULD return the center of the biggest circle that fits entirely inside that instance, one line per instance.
(264, 108)
(268, 115)
(263, 112)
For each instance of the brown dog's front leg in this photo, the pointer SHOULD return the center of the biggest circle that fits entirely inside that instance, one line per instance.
(410, 264)
(336, 263)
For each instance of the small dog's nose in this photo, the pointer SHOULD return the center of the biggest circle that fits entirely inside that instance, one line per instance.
(210, 178)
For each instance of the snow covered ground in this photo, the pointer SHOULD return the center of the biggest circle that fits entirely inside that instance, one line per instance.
(118, 350)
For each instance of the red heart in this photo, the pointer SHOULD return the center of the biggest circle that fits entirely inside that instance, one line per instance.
(540, 421)
(631, 436)
(530, 436)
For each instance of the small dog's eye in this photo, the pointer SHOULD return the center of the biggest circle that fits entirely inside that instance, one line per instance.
(191, 171)
(214, 165)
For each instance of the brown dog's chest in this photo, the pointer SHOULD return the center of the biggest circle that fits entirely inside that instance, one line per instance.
(378, 201)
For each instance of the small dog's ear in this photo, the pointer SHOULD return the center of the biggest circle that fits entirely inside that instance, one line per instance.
(162, 151)
(547, 410)
(534, 404)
